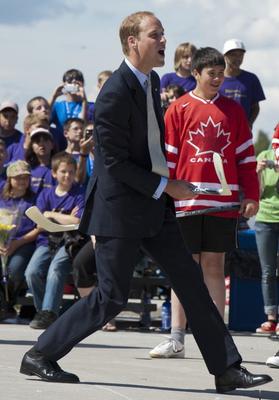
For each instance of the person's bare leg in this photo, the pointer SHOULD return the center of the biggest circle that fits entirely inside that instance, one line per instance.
(85, 291)
(213, 272)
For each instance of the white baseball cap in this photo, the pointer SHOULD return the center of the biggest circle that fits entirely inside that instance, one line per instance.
(39, 131)
(8, 104)
(233, 44)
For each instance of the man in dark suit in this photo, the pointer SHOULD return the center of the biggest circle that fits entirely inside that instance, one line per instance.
(129, 207)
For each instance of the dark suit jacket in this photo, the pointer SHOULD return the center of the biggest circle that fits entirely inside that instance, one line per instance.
(119, 195)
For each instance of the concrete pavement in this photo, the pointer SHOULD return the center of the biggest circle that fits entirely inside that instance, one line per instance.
(116, 366)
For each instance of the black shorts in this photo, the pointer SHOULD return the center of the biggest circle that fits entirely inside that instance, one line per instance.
(208, 233)
(84, 267)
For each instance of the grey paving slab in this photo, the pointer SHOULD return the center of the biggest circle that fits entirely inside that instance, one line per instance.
(116, 366)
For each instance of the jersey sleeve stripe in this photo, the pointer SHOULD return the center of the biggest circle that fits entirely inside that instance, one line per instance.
(247, 160)
(171, 149)
(244, 146)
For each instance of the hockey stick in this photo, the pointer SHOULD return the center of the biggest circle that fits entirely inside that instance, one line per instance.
(225, 190)
(207, 210)
(36, 216)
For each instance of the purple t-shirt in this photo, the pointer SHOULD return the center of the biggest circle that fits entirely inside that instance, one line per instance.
(245, 88)
(23, 223)
(48, 200)
(15, 151)
(172, 78)
(41, 178)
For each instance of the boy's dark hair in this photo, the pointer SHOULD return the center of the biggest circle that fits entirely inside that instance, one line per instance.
(207, 57)
(29, 105)
(178, 90)
(72, 74)
(58, 158)
(69, 122)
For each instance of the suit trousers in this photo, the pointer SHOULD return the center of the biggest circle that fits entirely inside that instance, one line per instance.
(115, 260)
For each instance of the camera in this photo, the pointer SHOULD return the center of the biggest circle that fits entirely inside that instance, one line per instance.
(88, 133)
(71, 88)
(269, 164)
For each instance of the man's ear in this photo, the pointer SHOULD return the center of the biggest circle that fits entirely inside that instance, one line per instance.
(132, 42)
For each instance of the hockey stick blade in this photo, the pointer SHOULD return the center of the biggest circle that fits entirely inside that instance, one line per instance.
(207, 211)
(36, 216)
(219, 169)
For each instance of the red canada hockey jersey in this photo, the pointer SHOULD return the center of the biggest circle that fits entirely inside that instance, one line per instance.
(195, 128)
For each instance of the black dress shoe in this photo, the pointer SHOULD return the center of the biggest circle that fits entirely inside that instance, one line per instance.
(239, 378)
(36, 364)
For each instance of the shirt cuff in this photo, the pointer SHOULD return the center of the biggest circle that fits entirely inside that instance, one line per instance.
(160, 188)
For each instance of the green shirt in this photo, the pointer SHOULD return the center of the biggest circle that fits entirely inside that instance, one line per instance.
(269, 202)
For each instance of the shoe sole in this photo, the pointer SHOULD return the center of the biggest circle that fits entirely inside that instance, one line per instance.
(225, 389)
(272, 365)
(178, 355)
(28, 373)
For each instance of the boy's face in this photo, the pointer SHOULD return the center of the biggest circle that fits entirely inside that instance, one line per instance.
(74, 133)
(41, 107)
(234, 58)
(65, 175)
(209, 80)
(8, 119)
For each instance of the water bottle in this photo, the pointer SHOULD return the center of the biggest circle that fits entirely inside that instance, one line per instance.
(166, 315)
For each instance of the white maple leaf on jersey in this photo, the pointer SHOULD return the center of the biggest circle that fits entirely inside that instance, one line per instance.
(209, 138)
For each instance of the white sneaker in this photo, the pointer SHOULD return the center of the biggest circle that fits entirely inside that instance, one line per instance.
(170, 348)
(273, 361)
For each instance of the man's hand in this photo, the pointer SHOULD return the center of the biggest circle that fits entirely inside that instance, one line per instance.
(179, 189)
(248, 208)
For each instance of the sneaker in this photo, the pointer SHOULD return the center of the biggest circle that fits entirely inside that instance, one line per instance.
(170, 348)
(267, 327)
(273, 361)
(43, 319)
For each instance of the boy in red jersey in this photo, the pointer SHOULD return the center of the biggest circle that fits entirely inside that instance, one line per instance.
(197, 124)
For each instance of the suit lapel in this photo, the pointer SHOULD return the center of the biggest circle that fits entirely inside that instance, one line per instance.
(135, 87)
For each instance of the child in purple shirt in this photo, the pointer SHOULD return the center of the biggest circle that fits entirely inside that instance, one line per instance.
(17, 196)
(46, 272)
(38, 155)
(182, 66)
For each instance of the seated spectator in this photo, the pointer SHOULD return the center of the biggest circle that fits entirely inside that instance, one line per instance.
(50, 264)
(74, 104)
(8, 120)
(38, 155)
(3, 158)
(18, 196)
(16, 151)
(87, 155)
(172, 92)
(182, 66)
(267, 237)
(39, 106)
(101, 79)
(79, 144)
